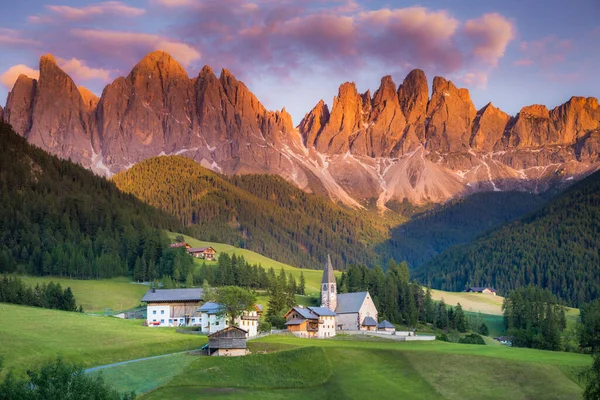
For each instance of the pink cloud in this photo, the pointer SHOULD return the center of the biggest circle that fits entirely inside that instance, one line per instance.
(546, 51)
(13, 37)
(107, 42)
(115, 8)
(78, 70)
(174, 3)
(475, 79)
(524, 62)
(490, 35)
(9, 77)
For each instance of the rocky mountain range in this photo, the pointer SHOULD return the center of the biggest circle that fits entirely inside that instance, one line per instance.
(401, 142)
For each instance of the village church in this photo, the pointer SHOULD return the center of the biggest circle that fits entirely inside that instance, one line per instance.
(355, 311)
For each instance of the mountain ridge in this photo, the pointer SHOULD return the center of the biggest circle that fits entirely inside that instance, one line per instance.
(399, 143)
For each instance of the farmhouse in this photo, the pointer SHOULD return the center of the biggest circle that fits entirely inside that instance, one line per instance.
(213, 319)
(179, 245)
(311, 321)
(355, 311)
(173, 307)
(205, 253)
(483, 290)
(230, 341)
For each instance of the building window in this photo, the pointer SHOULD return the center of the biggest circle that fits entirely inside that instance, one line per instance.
(324, 287)
(162, 321)
(193, 319)
(154, 312)
(170, 320)
(162, 311)
(332, 288)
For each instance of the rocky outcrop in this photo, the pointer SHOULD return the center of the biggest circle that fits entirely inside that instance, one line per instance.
(397, 143)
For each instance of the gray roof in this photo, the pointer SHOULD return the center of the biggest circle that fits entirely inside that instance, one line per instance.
(480, 289)
(322, 311)
(368, 321)
(305, 313)
(385, 324)
(199, 249)
(295, 321)
(159, 295)
(260, 307)
(328, 276)
(210, 308)
(350, 302)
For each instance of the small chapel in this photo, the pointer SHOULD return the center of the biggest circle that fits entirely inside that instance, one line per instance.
(355, 311)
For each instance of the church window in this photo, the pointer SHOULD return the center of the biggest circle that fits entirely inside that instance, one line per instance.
(332, 288)
(325, 287)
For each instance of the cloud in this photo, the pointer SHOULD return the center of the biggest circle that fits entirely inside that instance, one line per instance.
(114, 8)
(174, 3)
(490, 35)
(524, 62)
(133, 43)
(78, 70)
(9, 77)
(13, 37)
(547, 51)
(475, 79)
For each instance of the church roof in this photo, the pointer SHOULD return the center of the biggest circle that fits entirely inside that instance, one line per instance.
(368, 321)
(350, 302)
(328, 276)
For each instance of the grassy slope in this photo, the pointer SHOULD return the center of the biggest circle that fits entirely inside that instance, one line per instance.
(387, 369)
(96, 295)
(32, 335)
(313, 277)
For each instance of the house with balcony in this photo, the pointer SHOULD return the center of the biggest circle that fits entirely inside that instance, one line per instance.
(214, 320)
(311, 321)
(172, 307)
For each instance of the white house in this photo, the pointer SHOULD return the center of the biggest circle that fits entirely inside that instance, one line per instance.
(355, 311)
(213, 321)
(172, 307)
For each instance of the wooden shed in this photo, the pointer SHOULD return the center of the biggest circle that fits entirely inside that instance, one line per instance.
(230, 341)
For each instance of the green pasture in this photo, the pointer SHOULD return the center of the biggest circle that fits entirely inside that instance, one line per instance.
(30, 336)
(312, 276)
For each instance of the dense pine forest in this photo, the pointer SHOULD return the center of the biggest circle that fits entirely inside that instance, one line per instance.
(57, 218)
(456, 222)
(262, 213)
(554, 248)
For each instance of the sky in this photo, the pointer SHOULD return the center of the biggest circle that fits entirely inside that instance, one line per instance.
(292, 53)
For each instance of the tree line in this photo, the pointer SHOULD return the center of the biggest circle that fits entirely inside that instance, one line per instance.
(51, 295)
(59, 219)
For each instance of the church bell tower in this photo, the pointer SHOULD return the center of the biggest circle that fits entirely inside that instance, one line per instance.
(328, 287)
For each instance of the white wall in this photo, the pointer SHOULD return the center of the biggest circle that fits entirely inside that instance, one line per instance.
(158, 313)
(327, 328)
(212, 323)
(349, 322)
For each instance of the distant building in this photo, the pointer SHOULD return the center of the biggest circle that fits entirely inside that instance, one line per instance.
(506, 340)
(173, 307)
(213, 319)
(178, 245)
(205, 253)
(351, 308)
(311, 321)
(386, 326)
(230, 341)
(483, 290)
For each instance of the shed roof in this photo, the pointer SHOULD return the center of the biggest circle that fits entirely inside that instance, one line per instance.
(322, 311)
(225, 330)
(368, 321)
(328, 275)
(385, 324)
(163, 295)
(350, 302)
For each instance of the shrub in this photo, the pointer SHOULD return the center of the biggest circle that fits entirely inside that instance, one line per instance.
(483, 329)
(472, 338)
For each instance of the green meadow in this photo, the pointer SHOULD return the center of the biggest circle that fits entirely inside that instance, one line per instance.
(286, 367)
(32, 335)
(312, 276)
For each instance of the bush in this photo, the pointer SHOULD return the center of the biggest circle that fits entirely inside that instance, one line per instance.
(443, 337)
(472, 338)
(483, 330)
(264, 326)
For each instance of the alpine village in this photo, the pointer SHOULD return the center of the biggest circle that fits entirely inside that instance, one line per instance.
(253, 199)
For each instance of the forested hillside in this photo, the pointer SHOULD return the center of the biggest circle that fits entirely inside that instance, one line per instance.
(457, 222)
(556, 247)
(262, 213)
(57, 218)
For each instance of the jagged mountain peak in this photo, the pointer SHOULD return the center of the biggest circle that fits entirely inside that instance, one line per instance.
(158, 62)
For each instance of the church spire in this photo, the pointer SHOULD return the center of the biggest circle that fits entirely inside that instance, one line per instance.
(328, 287)
(328, 276)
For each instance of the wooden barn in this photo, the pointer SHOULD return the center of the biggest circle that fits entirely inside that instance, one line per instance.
(482, 290)
(205, 253)
(230, 341)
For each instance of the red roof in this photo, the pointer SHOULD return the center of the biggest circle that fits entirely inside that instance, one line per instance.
(175, 245)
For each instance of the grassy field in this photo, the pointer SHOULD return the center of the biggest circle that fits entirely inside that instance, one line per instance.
(475, 302)
(96, 295)
(31, 335)
(352, 368)
(313, 277)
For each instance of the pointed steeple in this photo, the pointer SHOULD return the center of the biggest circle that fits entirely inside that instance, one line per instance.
(328, 276)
